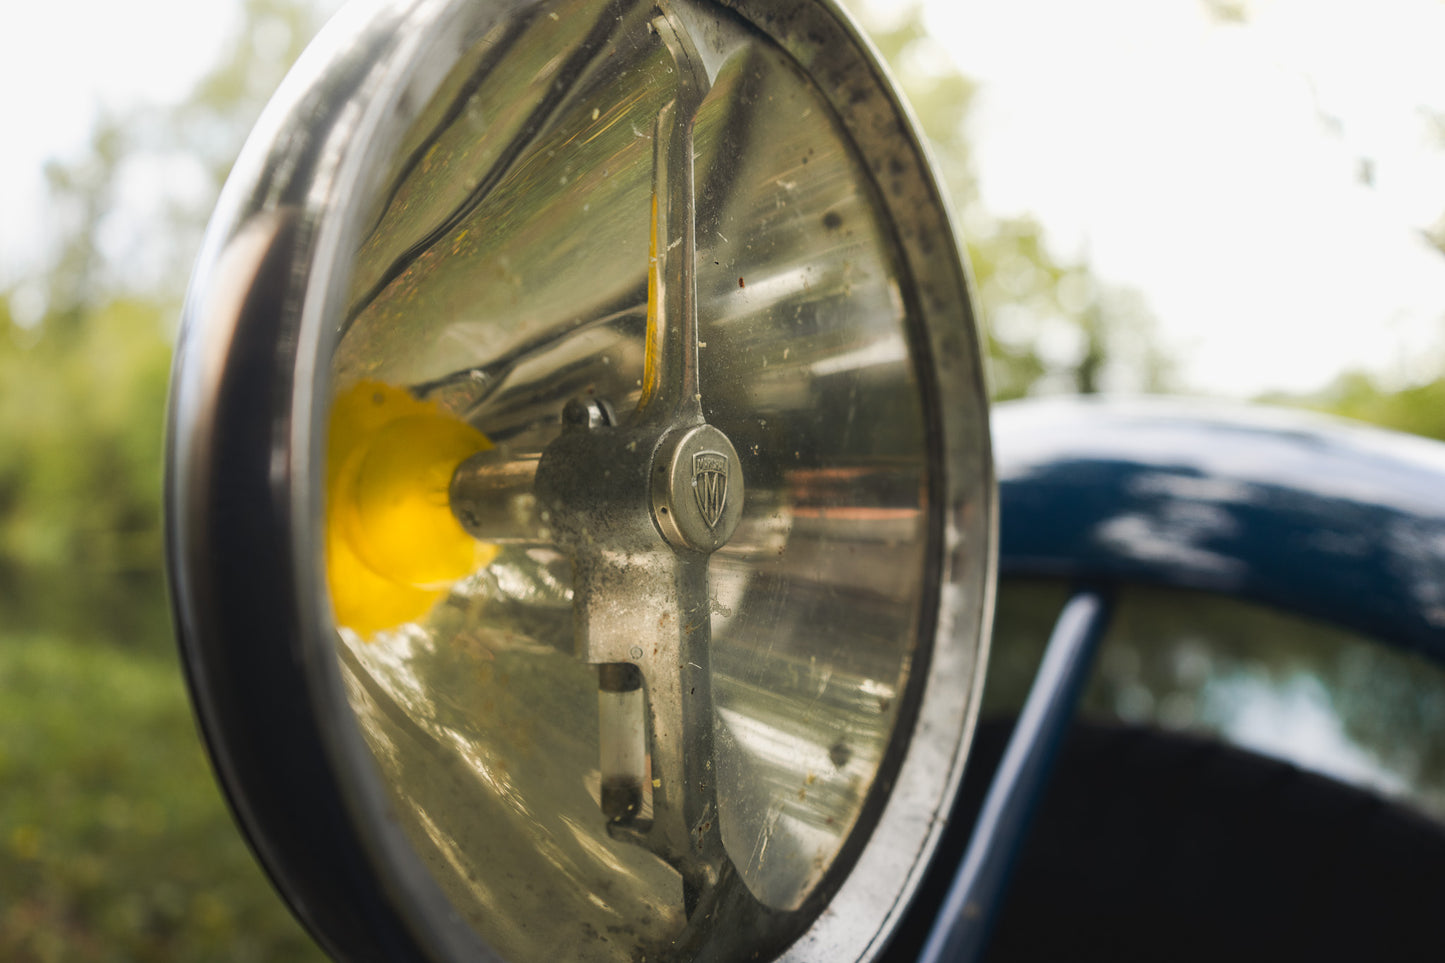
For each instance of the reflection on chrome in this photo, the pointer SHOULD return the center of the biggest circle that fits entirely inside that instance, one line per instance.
(789, 778)
(505, 796)
(505, 274)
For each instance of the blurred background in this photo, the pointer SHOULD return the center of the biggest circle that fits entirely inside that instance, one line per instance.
(1233, 198)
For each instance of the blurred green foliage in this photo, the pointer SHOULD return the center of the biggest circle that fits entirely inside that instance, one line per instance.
(1049, 324)
(1418, 409)
(82, 413)
(80, 474)
(119, 848)
(115, 843)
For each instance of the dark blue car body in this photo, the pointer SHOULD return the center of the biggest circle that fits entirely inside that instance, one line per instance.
(1303, 514)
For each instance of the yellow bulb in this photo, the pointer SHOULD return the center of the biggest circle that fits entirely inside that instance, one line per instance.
(393, 546)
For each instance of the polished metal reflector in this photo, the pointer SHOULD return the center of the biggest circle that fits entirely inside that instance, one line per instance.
(595, 387)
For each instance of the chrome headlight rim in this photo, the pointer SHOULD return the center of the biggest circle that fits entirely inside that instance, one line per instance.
(245, 467)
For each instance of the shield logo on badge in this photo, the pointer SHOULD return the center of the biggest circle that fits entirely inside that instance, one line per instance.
(710, 484)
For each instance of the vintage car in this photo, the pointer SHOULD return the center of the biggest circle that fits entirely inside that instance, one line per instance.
(585, 517)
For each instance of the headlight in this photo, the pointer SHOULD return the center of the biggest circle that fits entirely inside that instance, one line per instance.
(581, 509)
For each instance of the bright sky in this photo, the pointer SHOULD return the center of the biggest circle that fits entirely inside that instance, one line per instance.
(1215, 168)
(61, 62)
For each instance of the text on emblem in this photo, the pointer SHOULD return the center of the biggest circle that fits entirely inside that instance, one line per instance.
(710, 484)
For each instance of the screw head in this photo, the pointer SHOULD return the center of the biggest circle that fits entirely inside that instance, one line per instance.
(587, 414)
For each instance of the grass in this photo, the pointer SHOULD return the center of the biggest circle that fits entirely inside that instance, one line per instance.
(115, 844)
